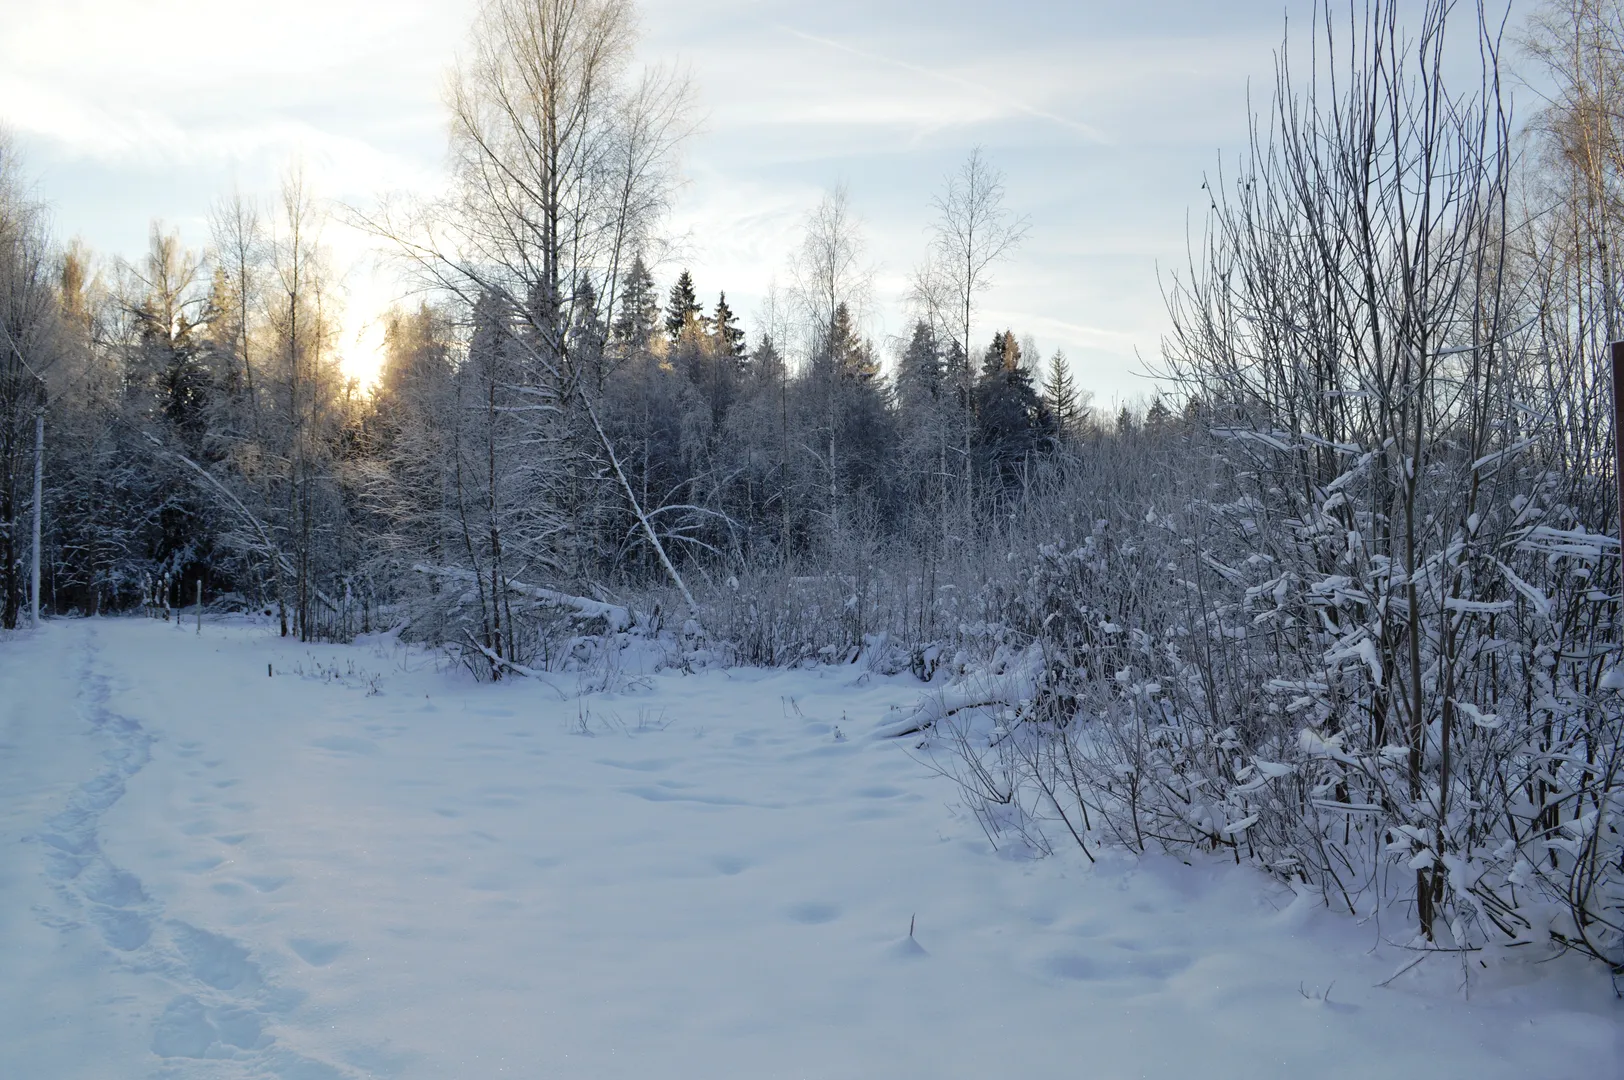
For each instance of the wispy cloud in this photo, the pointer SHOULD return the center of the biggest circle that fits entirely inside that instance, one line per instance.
(949, 78)
(1103, 115)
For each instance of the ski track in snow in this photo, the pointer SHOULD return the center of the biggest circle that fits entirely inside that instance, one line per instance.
(223, 1002)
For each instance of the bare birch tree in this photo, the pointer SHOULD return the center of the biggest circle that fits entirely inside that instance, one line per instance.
(973, 231)
(563, 159)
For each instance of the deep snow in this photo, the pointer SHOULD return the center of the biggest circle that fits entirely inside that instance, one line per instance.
(368, 866)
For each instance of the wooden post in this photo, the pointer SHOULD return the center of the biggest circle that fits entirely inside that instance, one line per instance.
(200, 607)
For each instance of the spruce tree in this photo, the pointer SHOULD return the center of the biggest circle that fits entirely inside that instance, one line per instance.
(638, 320)
(682, 309)
(1012, 421)
(848, 355)
(725, 328)
(1060, 394)
(586, 337)
(920, 374)
(766, 367)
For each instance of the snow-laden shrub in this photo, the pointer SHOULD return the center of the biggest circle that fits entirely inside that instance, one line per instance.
(1248, 673)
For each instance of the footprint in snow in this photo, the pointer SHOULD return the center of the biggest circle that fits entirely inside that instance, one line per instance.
(225, 1015)
(103, 883)
(813, 913)
(1123, 964)
(266, 883)
(660, 794)
(215, 960)
(650, 765)
(317, 953)
(346, 744)
(121, 928)
(189, 1029)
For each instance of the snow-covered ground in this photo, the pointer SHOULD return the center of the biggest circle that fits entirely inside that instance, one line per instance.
(366, 866)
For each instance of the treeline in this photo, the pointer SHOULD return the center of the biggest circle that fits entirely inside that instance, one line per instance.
(197, 425)
(547, 414)
(739, 454)
(201, 432)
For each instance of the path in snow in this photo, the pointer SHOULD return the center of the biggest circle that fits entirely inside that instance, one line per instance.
(222, 1003)
(225, 874)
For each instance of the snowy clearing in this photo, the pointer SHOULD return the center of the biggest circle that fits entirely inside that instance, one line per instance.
(365, 866)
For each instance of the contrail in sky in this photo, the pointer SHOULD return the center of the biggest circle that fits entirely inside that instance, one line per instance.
(1092, 133)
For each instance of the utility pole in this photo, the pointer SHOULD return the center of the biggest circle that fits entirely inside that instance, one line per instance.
(1618, 432)
(39, 490)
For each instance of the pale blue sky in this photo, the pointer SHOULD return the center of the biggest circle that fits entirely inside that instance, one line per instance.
(1103, 117)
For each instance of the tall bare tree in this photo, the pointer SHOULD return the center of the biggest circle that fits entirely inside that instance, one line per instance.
(973, 231)
(563, 161)
(238, 235)
(300, 490)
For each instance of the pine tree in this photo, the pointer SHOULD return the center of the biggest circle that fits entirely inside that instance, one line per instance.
(711, 352)
(925, 409)
(220, 337)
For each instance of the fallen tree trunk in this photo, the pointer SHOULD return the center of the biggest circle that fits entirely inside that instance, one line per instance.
(617, 618)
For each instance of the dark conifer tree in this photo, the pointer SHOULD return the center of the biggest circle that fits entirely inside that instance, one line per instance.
(848, 355)
(638, 320)
(1158, 417)
(587, 337)
(1060, 395)
(1013, 422)
(682, 309)
(920, 374)
(725, 328)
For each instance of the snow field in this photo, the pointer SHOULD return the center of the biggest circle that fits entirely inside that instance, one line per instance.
(216, 873)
